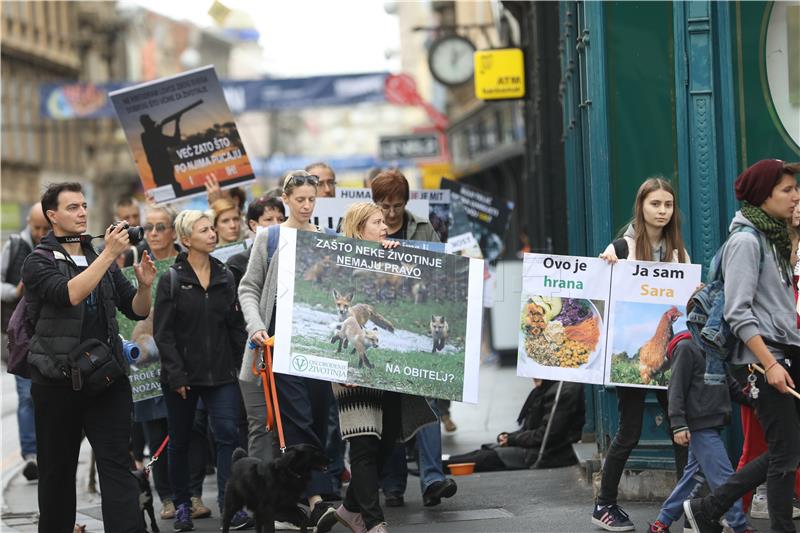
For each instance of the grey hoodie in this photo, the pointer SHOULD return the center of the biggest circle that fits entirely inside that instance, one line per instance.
(756, 303)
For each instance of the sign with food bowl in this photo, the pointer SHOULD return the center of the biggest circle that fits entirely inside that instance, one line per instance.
(563, 318)
(586, 321)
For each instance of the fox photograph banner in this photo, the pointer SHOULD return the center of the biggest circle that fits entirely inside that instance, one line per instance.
(563, 318)
(180, 130)
(488, 216)
(146, 369)
(405, 320)
(648, 307)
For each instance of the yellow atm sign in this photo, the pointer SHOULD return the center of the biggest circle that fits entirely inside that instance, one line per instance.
(499, 74)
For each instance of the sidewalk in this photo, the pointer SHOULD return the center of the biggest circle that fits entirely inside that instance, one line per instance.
(521, 501)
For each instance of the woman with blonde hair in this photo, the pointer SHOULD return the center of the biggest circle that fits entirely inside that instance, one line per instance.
(199, 332)
(227, 220)
(371, 419)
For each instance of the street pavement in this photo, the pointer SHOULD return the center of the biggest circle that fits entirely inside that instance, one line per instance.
(521, 501)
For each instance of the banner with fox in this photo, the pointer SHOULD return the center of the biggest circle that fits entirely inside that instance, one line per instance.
(405, 320)
(586, 321)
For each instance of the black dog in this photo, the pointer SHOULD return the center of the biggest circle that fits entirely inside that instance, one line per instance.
(270, 488)
(146, 499)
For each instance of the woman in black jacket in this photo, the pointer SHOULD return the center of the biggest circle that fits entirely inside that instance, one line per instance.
(199, 333)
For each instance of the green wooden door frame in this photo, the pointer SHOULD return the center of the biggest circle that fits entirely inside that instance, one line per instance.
(595, 111)
(706, 128)
(585, 103)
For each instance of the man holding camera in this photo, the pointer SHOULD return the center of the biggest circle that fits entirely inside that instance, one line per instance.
(73, 294)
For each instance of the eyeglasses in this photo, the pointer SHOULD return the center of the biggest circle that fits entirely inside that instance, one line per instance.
(327, 183)
(301, 180)
(160, 227)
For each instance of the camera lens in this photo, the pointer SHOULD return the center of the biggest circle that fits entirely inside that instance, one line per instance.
(135, 234)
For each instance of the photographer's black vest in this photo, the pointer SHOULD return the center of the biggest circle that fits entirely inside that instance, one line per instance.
(58, 328)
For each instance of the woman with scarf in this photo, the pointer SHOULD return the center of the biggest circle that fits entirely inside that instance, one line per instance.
(760, 309)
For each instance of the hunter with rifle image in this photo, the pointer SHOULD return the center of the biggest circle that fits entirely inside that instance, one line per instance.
(156, 145)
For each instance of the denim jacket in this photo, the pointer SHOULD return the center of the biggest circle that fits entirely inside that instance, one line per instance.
(706, 321)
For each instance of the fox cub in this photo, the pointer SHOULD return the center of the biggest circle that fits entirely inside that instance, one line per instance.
(361, 339)
(440, 329)
(361, 312)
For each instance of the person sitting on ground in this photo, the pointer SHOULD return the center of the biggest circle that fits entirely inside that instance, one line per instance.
(518, 450)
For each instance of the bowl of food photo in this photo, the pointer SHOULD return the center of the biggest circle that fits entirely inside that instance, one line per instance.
(560, 332)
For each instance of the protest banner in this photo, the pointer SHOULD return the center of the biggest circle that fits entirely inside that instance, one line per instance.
(438, 212)
(405, 320)
(647, 307)
(204, 140)
(587, 321)
(224, 252)
(487, 217)
(461, 240)
(146, 371)
(328, 212)
(563, 318)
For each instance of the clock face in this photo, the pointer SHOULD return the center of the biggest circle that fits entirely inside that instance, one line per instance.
(451, 60)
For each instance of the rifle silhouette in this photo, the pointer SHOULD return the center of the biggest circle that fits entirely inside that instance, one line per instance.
(177, 115)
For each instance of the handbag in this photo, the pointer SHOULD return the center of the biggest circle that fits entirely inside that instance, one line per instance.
(93, 367)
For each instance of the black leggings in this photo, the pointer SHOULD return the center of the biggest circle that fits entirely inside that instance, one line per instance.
(368, 453)
(631, 410)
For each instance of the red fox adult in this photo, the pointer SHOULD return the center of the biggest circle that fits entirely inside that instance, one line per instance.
(361, 339)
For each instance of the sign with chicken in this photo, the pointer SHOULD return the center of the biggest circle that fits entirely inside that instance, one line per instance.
(647, 308)
(563, 318)
(404, 319)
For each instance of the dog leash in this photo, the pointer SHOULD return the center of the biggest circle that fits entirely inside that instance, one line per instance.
(153, 459)
(262, 366)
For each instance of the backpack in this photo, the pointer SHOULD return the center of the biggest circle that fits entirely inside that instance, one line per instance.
(706, 321)
(15, 245)
(20, 331)
(620, 248)
(273, 237)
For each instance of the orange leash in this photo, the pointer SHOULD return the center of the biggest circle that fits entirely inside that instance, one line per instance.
(263, 368)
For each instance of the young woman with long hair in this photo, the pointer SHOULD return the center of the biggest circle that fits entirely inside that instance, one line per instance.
(653, 235)
(304, 402)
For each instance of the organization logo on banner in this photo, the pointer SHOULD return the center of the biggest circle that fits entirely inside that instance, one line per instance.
(319, 367)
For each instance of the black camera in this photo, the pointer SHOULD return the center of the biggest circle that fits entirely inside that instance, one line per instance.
(135, 233)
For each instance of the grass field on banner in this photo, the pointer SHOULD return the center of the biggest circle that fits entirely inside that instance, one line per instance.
(402, 313)
(443, 363)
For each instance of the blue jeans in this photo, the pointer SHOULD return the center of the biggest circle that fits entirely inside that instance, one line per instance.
(305, 406)
(429, 448)
(708, 461)
(222, 402)
(25, 420)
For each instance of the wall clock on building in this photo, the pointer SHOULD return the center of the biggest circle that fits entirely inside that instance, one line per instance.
(450, 60)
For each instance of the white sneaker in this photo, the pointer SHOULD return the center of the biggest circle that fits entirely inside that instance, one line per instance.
(758, 509)
(286, 526)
